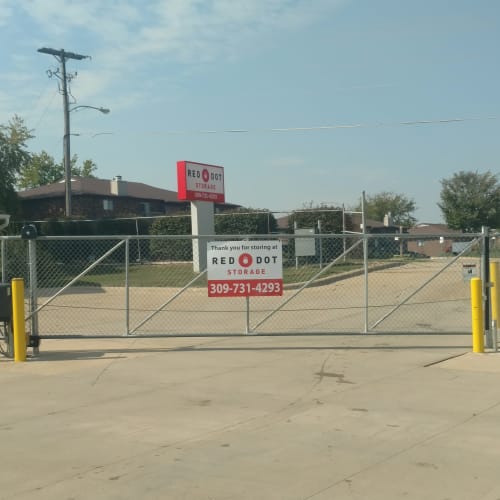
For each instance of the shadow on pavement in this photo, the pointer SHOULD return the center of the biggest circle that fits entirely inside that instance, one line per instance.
(121, 353)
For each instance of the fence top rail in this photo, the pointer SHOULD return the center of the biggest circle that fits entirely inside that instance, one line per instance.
(155, 236)
(273, 236)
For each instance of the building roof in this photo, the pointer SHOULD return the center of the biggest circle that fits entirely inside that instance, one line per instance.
(99, 187)
(434, 229)
(357, 222)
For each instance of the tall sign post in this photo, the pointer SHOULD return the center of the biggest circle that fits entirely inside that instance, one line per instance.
(202, 185)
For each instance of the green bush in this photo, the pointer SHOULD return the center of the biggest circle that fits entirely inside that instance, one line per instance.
(245, 221)
(171, 249)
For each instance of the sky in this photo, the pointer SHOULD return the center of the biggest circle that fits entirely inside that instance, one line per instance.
(301, 101)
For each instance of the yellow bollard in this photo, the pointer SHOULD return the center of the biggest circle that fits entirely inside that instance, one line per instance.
(476, 301)
(18, 319)
(494, 292)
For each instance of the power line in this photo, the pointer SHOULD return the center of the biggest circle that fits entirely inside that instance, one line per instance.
(42, 115)
(150, 133)
(444, 121)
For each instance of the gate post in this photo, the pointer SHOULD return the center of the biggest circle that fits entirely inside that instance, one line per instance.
(127, 286)
(365, 261)
(486, 284)
(33, 290)
(476, 300)
(495, 295)
(4, 260)
(495, 301)
(18, 319)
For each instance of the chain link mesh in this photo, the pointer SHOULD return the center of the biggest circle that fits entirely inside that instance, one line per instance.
(143, 285)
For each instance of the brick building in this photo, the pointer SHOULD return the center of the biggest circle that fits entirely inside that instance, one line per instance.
(93, 198)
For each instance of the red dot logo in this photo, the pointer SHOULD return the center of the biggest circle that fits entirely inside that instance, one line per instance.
(245, 260)
(204, 175)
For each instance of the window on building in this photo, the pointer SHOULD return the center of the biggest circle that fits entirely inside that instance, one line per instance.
(145, 208)
(107, 205)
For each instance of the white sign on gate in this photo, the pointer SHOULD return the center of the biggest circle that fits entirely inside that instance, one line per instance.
(244, 268)
(469, 271)
(305, 247)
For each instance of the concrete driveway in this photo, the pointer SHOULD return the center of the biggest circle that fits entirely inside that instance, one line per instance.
(333, 417)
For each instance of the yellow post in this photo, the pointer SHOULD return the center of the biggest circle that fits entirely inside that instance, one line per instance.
(494, 292)
(18, 319)
(476, 300)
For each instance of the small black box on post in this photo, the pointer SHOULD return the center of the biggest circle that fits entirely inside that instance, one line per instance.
(5, 302)
(29, 232)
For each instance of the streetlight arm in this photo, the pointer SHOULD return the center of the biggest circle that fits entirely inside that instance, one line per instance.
(102, 110)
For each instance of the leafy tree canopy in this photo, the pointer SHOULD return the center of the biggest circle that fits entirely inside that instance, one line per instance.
(470, 200)
(13, 156)
(42, 169)
(399, 206)
(39, 170)
(87, 168)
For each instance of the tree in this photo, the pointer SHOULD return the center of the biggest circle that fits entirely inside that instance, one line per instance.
(13, 157)
(399, 206)
(42, 169)
(86, 170)
(470, 200)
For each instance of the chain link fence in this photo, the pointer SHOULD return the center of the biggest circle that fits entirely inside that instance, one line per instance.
(146, 285)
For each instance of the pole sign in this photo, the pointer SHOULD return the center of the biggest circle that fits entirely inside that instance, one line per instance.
(244, 268)
(200, 182)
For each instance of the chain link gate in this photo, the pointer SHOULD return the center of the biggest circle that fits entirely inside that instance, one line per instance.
(113, 286)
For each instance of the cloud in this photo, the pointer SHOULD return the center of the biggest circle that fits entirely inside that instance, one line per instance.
(126, 37)
(194, 30)
(186, 30)
(6, 11)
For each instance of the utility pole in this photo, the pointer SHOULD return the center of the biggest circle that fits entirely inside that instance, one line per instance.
(61, 55)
